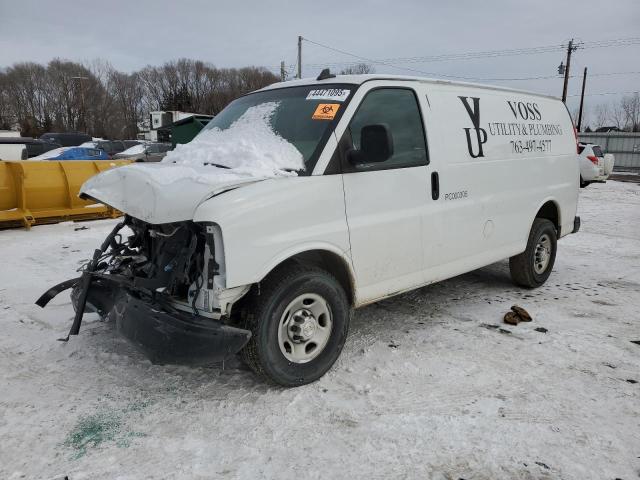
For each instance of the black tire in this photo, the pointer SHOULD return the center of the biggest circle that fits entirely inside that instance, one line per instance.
(262, 314)
(524, 268)
(583, 184)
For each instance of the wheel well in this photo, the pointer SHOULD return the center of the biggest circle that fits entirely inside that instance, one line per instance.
(550, 211)
(330, 262)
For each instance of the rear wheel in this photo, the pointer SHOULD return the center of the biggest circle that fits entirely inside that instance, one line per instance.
(532, 267)
(299, 319)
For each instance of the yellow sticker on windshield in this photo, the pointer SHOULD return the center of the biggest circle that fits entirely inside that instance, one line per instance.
(325, 111)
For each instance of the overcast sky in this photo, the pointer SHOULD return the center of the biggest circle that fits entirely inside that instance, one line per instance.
(134, 33)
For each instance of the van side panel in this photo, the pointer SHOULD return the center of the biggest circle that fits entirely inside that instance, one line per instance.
(500, 156)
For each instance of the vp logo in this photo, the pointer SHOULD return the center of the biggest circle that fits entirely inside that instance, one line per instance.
(480, 133)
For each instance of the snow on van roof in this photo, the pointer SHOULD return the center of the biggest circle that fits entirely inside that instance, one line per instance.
(360, 79)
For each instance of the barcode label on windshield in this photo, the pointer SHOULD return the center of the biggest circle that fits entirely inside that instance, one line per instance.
(335, 94)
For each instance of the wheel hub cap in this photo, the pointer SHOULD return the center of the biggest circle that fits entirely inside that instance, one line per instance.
(305, 328)
(542, 254)
(302, 327)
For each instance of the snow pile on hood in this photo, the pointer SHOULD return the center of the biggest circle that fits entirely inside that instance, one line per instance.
(171, 190)
(249, 146)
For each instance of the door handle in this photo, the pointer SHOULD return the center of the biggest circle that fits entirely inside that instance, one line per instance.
(435, 185)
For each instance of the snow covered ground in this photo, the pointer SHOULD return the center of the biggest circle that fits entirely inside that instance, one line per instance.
(431, 384)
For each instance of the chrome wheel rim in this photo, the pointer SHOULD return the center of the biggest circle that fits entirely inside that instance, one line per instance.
(542, 254)
(305, 328)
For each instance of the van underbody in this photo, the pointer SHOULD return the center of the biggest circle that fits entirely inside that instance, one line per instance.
(158, 285)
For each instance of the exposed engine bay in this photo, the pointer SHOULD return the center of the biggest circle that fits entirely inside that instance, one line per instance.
(171, 262)
(163, 286)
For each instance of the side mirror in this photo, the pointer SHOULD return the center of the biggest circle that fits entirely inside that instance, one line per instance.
(376, 145)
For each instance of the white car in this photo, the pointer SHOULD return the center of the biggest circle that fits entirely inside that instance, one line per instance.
(307, 199)
(595, 166)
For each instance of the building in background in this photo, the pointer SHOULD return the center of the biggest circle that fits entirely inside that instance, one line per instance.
(157, 131)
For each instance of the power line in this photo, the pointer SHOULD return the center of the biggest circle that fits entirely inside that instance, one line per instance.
(382, 62)
(606, 93)
(470, 55)
(548, 77)
(619, 42)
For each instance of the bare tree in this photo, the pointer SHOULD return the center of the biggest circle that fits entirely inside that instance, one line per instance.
(358, 69)
(65, 96)
(617, 116)
(630, 105)
(602, 115)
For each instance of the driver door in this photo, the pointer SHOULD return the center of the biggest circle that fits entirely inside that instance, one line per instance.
(385, 199)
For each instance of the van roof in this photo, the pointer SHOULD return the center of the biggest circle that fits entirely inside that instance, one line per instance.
(360, 79)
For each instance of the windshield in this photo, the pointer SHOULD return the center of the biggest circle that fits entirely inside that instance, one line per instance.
(283, 128)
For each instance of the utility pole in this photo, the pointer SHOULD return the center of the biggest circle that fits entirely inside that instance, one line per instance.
(570, 49)
(584, 82)
(299, 56)
(282, 74)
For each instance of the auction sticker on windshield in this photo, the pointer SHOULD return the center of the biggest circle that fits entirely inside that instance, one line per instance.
(335, 94)
(325, 111)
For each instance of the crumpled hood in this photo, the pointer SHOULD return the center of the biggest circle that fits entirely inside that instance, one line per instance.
(162, 192)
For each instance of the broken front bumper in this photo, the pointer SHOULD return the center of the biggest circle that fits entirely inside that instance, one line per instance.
(175, 337)
(164, 334)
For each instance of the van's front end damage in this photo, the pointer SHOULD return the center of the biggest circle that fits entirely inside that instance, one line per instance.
(163, 285)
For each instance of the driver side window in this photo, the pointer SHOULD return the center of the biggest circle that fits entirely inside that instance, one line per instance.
(397, 109)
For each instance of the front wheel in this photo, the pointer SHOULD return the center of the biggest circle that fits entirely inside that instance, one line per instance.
(299, 319)
(532, 267)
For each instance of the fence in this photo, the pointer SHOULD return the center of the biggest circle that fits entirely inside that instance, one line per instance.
(625, 146)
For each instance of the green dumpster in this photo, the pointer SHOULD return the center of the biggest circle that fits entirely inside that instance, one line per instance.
(184, 130)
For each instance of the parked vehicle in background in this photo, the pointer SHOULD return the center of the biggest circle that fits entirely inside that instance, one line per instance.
(13, 148)
(9, 133)
(131, 143)
(111, 147)
(306, 199)
(149, 152)
(595, 166)
(38, 147)
(73, 153)
(67, 139)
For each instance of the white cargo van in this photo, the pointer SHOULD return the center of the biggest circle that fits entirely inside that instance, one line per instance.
(309, 198)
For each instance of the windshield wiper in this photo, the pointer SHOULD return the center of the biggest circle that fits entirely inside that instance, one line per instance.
(217, 165)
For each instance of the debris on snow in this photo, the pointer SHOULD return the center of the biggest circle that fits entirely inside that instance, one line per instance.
(489, 326)
(543, 330)
(511, 318)
(517, 315)
(522, 313)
